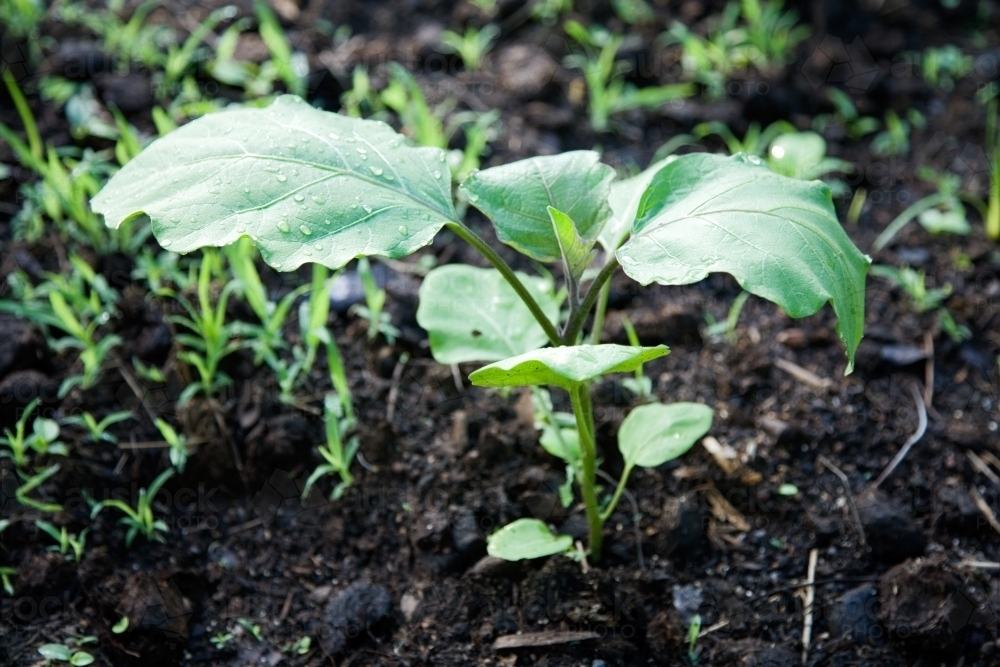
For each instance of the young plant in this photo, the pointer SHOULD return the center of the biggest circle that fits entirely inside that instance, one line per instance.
(5, 575)
(355, 188)
(472, 46)
(845, 115)
(640, 385)
(379, 322)
(178, 445)
(97, 431)
(139, 519)
(913, 283)
(32, 482)
(605, 76)
(992, 218)
(338, 413)
(68, 652)
(70, 546)
(43, 439)
(895, 138)
(939, 212)
(727, 327)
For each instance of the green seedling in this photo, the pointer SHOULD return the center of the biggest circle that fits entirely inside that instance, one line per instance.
(177, 443)
(355, 188)
(914, 284)
(338, 413)
(940, 212)
(30, 483)
(5, 578)
(121, 626)
(942, 66)
(43, 439)
(97, 431)
(895, 139)
(472, 46)
(694, 629)
(300, 646)
(379, 322)
(640, 385)
(744, 35)
(63, 653)
(846, 115)
(548, 12)
(607, 89)
(252, 628)
(70, 546)
(727, 327)
(754, 142)
(211, 339)
(139, 519)
(222, 640)
(992, 218)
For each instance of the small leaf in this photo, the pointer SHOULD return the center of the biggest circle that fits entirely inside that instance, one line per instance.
(81, 659)
(526, 538)
(47, 429)
(779, 237)
(121, 626)
(563, 443)
(653, 434)
(473, 314)
(565, 366)
(576, 252)
(55, 652)
(305, 185)
(515, 196)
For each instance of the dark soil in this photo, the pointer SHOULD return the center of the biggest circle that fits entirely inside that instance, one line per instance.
(396, 571)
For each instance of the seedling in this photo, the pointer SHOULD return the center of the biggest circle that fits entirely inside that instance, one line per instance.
(338, 412)
(97, 431)
(32, 482)
(913, 283)
(355, 188)
(177, 443)
(727, 327)
(895, 139)
(44, 438)
(221, 640)
(944, 65)
(379, 322)
(300, 646)
(252, 628)
(605, 76)
(694, 629)
(63, 653)
(942, 211)
(141, 518)
(5, 574)
(640, 385)
(472, 46)
(70, 546)
(992, 219)
(846, 114)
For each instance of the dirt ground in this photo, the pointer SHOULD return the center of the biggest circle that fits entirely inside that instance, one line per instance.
(396, 572)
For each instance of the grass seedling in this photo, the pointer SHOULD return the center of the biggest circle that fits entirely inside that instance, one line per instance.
(640, 385)
(338, 413)
(97, 431)
(5, 575)
(846, 115)
(779, 237)
(252, 628)
(139, 519)
(472, 46)
(43, 439)
(300, 646)
(913, 283)
(221, 640)
(68, 652)
(694, 629)
(177, 443)
(941, 211)
(608, 93)
(895, 138)
(211, 339)
(992, 219)
(30, 482)
(379, 322)
(727, 327)
(70, 546)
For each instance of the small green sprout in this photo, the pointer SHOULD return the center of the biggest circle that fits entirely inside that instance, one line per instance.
(252, 628)
(43, 439)
(913, 283)
(121, 626)
(640, 385)
(97, 431)
(68, 652)
(472, 46)
(222, 640)
(694, 629)
(379, 322)
(70, 546)
(727, 327)
(5, 574)
(779, 237)
(139, 519)
(177, 443)
(300, 646)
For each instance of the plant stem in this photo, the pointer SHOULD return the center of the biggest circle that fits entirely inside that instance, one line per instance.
(602, 308)
(580, 395)
(486, 251)
(576, 323)
(618, 494)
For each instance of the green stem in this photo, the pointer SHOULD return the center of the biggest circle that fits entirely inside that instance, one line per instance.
(580, 395)
(599, 314)
(579, 317)
(606, 514)
(486, 251)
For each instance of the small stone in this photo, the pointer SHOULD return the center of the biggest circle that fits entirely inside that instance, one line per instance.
(351, 611)
(892, 534)
(409, 605)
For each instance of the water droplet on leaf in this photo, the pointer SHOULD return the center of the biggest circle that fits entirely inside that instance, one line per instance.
(305, 230)
(283, 225)
(282, 178)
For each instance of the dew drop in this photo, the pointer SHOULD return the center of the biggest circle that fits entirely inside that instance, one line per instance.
(376, 170)
(246, 189)
(473, 196)
(174, 219)
(364, 157)
(318, 246)
(326, 222)
(307, 252)
(213, 191)
(283, 225)
(368, 209)
(437, 174)
(403, 230)
(298, 198)
(390, 177)
(305, 230)
(166, 242)
(319, 201)
(354, 205)
(361, 150)
(281, 178)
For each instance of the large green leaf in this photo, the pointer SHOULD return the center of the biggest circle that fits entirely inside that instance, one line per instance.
(565, 366)
(306, 185)
(526, 538)
(779, 237)
(473, 314)
(653, 434)
(515, 197)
